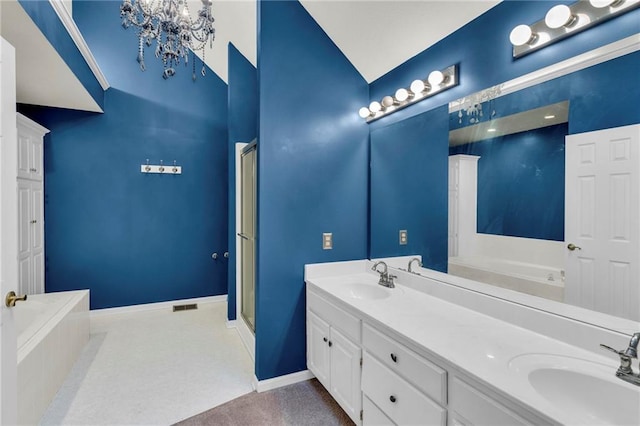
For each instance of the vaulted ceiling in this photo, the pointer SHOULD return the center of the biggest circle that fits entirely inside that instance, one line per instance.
(375, 35)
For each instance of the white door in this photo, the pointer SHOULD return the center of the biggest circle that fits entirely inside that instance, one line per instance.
(318, 356)
(8, 232)
(602, 226)
(345, 374)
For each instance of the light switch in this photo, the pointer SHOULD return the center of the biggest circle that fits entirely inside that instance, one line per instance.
(327, 241)
(403, 237)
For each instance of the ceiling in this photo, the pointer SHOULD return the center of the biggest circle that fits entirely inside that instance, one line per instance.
(375, 35)
(42, 76)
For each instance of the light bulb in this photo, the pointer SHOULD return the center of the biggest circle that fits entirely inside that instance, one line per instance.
(521, 35)
(417, 86)
(599, 4)
(559, 16)
(387, 101)
(435, 78)
(402, 95)
(375, 106)
(364, 112)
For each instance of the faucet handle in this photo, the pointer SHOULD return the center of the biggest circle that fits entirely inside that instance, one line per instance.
(609, 348)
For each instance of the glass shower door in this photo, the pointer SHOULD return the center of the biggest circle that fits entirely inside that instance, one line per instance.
(247, 235)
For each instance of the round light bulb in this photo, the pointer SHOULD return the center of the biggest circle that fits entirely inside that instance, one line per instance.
(599, 4)
(375, 106)
(402, 95)
(387, 101)
(435, 78)
(521, 35)
(364, 112)
(417, 86)
(559, 16)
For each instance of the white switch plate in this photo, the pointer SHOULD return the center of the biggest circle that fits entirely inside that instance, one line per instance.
(327, 241)
(403, 237)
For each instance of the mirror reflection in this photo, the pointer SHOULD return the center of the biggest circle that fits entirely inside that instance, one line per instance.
(535, 190)
(506, 200)
(543, 206)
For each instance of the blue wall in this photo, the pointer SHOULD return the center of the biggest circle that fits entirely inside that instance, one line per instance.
(43, 15)
(243, 124)
(312, 173)
(484, 54)
(521, 183)
(130, 237)
(409, 166)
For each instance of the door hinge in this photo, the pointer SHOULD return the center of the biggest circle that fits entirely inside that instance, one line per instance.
(360, 361)
(361, 414)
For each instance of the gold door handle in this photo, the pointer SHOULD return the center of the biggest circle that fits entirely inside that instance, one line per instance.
(573, 247)
(11, 299)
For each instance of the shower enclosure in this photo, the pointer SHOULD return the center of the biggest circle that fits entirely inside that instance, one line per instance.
(247, 234)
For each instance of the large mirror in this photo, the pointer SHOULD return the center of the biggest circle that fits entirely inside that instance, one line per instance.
(521, 205)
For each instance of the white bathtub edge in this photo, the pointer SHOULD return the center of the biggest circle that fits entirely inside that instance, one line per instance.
(33, 341)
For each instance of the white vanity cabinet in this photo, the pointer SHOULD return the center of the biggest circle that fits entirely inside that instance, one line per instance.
(473, 405)
(334, 355)
(404, 386)
(30, 206)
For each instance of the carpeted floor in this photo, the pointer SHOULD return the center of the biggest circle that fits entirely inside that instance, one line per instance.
(301, 404)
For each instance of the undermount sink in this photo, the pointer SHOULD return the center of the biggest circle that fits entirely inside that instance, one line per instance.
(365, 291)
(588, 392)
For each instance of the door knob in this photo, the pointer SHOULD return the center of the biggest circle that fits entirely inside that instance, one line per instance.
(11, 299)
(573, 247)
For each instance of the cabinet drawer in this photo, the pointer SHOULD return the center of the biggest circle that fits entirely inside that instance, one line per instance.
(399, 400)
(372, 416)
(478, 408)
(343, 321)
(426, 376)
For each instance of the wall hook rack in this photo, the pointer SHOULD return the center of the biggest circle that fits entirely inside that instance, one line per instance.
(161, 168)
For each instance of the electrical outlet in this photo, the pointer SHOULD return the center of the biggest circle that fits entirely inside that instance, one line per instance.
(403, 237)
(327, 241)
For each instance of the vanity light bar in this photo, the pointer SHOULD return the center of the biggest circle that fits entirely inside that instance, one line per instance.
(563, 21)
(436, 82)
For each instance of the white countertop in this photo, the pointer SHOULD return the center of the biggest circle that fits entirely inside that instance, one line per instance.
(474, 343)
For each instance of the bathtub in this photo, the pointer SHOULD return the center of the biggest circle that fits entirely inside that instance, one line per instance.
(537, 280)
(52, 329)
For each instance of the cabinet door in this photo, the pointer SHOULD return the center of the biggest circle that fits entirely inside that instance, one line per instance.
(37, 273)
(24, 156)
(345, 374)
(24, 218)
(37, 217)
(24, 275)
(318, 355)
(36, 158)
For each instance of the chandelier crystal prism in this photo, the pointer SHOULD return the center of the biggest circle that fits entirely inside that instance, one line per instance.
(169, 24)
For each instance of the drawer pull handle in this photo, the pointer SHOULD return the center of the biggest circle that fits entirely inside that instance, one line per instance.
(330, 344)
(325, 339)
(394, 358)
(392, 398)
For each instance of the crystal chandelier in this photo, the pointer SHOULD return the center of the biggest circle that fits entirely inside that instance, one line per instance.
(169, 23)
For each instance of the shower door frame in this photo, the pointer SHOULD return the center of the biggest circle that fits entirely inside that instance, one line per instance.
(246, 334)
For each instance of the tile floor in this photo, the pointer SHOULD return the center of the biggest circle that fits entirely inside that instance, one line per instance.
(154, 367)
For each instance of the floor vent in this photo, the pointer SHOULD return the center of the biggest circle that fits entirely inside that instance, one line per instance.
(188, 307)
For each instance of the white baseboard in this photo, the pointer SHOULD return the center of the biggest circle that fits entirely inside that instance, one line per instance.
(232, 324)
(277, 382)
(156, 306)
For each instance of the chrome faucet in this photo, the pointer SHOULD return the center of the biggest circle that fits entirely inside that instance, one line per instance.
(415, 259)
(625, 372)
(386, 279)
